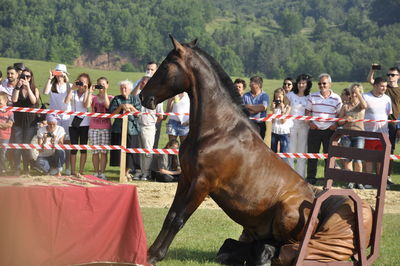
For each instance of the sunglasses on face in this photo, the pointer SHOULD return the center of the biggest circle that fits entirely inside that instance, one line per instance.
(288, 84)
(391, 75)
(322, 83)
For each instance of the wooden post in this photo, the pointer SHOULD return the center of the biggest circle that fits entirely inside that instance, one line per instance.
(268, 131)
(122, 171)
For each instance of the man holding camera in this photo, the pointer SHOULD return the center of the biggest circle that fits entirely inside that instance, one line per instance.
(326, 104)
(393, 91)
(51, 161)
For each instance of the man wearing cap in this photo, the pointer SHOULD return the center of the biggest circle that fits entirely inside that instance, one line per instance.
(50, 161)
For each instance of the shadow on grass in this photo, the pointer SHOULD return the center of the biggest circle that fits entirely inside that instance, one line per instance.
(185, 254)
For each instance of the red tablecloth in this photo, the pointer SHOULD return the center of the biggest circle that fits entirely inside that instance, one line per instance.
(72, 224)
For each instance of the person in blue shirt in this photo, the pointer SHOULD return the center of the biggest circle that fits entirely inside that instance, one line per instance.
(256, 101)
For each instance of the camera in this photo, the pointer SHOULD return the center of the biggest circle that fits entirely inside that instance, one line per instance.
(277, 102)
(49, 135)
(22, 76)
(57, 73)
(99, 87)
(376, 67)
(78, 83)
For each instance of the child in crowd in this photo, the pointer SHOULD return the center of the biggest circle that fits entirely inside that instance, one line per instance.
(353, 109)
(6, 122)
(345, 95)
(168, 168)
(99, 128)
(280, 127)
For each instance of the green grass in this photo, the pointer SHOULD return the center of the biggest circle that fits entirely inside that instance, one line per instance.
(204, 233)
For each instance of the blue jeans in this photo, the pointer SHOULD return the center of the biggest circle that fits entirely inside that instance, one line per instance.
(3, 155)
(54, 161)
(356, 142)
(175, 128)
(22, 135)
(283, 139)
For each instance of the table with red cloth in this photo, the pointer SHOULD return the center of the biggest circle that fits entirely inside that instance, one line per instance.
(66, 221)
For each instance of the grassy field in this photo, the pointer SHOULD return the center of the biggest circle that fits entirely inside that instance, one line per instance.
(204, 233)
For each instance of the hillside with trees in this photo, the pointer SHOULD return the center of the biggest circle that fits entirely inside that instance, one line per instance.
(273, 38)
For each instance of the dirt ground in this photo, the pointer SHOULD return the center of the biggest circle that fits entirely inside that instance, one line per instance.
(160, 195)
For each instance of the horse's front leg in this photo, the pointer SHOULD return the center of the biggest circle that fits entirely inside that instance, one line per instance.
(188, 197)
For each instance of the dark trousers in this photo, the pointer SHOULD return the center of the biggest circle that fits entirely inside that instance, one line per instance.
(315, 139)
(22, 135)
(132, 159)
(262, 128)
(392, 138)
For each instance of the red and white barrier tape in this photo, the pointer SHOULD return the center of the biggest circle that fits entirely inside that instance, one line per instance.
(86, 147)
(269, 117)
(148, 151)
(105, 115)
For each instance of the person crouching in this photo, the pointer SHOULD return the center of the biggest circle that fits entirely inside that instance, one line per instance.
(51, 161)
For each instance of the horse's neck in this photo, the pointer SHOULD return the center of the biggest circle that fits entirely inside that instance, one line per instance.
(210, 108)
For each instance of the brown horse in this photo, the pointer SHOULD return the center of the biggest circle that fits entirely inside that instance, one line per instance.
(224, 157)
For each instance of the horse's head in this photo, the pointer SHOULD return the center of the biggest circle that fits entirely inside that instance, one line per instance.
(171, 78)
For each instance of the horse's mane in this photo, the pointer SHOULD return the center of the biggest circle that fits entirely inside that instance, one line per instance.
(225, 79)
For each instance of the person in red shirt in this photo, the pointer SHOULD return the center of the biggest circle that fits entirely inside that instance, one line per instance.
(6, 122)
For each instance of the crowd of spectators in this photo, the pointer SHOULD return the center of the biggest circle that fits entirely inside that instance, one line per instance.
(298, 136)
(80, 95)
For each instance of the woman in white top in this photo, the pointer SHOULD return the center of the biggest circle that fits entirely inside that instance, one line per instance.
(77, 96)
(56, 87)
(299, 131)
(178, 125)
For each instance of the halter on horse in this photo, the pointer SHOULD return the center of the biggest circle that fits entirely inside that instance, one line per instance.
(224, 157)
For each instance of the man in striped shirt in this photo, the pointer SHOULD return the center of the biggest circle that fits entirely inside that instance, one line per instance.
(326, 104)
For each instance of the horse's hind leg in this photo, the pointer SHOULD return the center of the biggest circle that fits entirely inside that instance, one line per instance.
(187, 198)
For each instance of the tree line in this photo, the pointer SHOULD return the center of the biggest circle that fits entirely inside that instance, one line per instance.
(274, 38)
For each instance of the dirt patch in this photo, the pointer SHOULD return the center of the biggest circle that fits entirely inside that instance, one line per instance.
(160, 195)
(106, 61)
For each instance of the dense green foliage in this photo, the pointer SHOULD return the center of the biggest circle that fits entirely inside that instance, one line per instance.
(274, 38)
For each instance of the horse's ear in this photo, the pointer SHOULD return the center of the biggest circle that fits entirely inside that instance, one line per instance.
(193, 43)
(177, 45)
